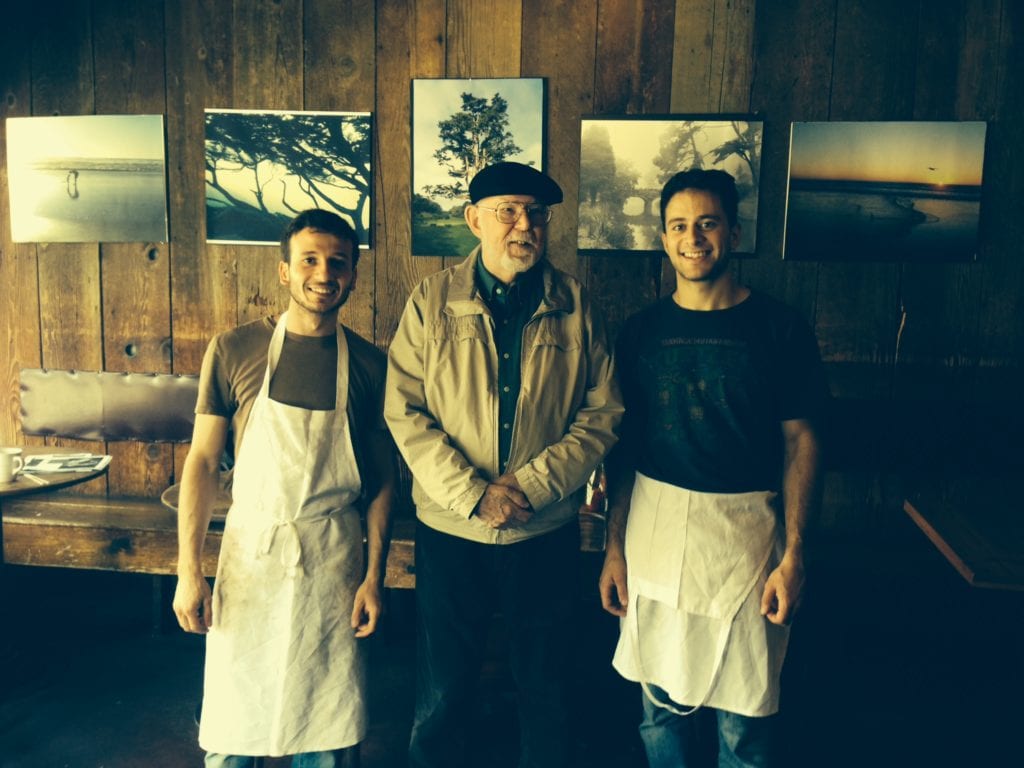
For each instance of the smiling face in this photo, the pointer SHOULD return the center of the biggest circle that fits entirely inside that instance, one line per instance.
(507, 249)
(319, 274)
(698, 236)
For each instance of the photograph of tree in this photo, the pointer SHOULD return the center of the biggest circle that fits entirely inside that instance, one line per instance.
(884, 191)
(624, 163)
(262, 168)
(87, 179)
(458, 128)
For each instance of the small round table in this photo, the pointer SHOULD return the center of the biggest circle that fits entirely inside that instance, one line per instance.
(51, 481)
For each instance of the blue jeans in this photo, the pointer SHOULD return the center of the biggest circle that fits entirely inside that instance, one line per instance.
(333, 759)
(678, 741)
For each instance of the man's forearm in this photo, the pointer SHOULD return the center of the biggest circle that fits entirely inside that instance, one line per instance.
(378, 513)
(620, 491)
(199, 488)
(801, 485)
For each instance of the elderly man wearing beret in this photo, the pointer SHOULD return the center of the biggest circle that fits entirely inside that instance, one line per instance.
(502, 399)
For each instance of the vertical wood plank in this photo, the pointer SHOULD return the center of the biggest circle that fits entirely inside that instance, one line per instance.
(858, 305)
(69, 291)
(134, 276)
(19, 288)
(937, 344)
(414, 41)
(562, 44)
(1000, 330)
(712, 68)
(712, 62)
(268, 75)
(203, 289)
(632, 75)
(339, 71)
(791, 81)
(477, 47)
(69, 282)
(480, 47)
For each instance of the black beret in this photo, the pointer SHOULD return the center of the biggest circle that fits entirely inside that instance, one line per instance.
(514, 179)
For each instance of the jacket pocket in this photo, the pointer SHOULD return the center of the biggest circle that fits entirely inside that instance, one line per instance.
(463, 328)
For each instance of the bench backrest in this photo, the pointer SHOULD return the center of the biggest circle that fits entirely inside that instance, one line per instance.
(90, 405)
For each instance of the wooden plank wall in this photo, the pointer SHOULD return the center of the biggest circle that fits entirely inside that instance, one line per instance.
(887, 331)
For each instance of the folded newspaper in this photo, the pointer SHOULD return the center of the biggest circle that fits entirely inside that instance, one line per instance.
(45, 463)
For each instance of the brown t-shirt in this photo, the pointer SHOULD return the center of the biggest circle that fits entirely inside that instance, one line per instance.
(236, 361)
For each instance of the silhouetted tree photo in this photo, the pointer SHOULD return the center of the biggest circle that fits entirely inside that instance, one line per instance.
(263, 168)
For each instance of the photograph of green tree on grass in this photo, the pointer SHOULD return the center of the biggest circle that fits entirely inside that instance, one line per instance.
(624, 162)
(262, 168)
(458, 128)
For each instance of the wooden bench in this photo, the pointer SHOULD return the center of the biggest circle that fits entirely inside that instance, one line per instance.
(132, 535)
(113, 533)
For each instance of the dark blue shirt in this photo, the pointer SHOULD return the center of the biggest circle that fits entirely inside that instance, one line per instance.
(511, 306)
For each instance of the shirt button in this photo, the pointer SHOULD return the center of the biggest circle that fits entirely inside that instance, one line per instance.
(506, 355)
(504, 389)
(506, 426)
(500, 292)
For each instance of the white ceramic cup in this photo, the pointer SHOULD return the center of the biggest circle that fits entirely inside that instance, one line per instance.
(10, 464)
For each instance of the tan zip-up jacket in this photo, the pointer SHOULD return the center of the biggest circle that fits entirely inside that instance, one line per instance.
(442, 406)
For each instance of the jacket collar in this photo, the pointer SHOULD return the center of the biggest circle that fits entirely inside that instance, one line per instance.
(464, 296)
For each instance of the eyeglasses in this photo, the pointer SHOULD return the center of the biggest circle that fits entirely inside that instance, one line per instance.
(509, 213)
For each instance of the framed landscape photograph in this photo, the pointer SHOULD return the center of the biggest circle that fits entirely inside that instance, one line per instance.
(884, 191)
(87, 179)
(262, 168)
(458, 128)
(625, 161)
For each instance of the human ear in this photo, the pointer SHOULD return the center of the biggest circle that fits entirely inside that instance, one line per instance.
(472, 214)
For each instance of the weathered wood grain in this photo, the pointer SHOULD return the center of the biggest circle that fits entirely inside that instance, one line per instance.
(937, 343)
(561, 44)
(134, 277)
(133, 535)
(19, 294)
(199, 75)
(339, 76)
(888, 331)
(632, 76)
(413, 39)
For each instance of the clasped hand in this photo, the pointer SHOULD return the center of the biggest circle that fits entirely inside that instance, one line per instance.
(504, 505)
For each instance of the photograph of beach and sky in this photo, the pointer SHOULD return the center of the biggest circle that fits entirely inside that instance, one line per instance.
(624, 163)
(264, 167)
(458, 128)
(884, 191)
(87, 179)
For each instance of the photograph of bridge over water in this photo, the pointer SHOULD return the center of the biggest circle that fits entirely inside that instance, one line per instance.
(884, 191)
(624, 162)
(87, 179)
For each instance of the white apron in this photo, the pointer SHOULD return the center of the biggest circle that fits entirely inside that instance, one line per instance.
(697, 564)
(284, 674)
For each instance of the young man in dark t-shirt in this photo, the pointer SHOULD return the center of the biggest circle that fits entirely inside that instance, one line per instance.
(721, 386)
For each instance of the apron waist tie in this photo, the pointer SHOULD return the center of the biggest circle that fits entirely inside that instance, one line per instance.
(291, 548)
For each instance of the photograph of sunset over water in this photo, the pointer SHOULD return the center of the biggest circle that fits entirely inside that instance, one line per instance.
(884, 191)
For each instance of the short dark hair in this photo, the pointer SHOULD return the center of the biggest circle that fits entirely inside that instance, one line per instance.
(716, 182)
(321, 221)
